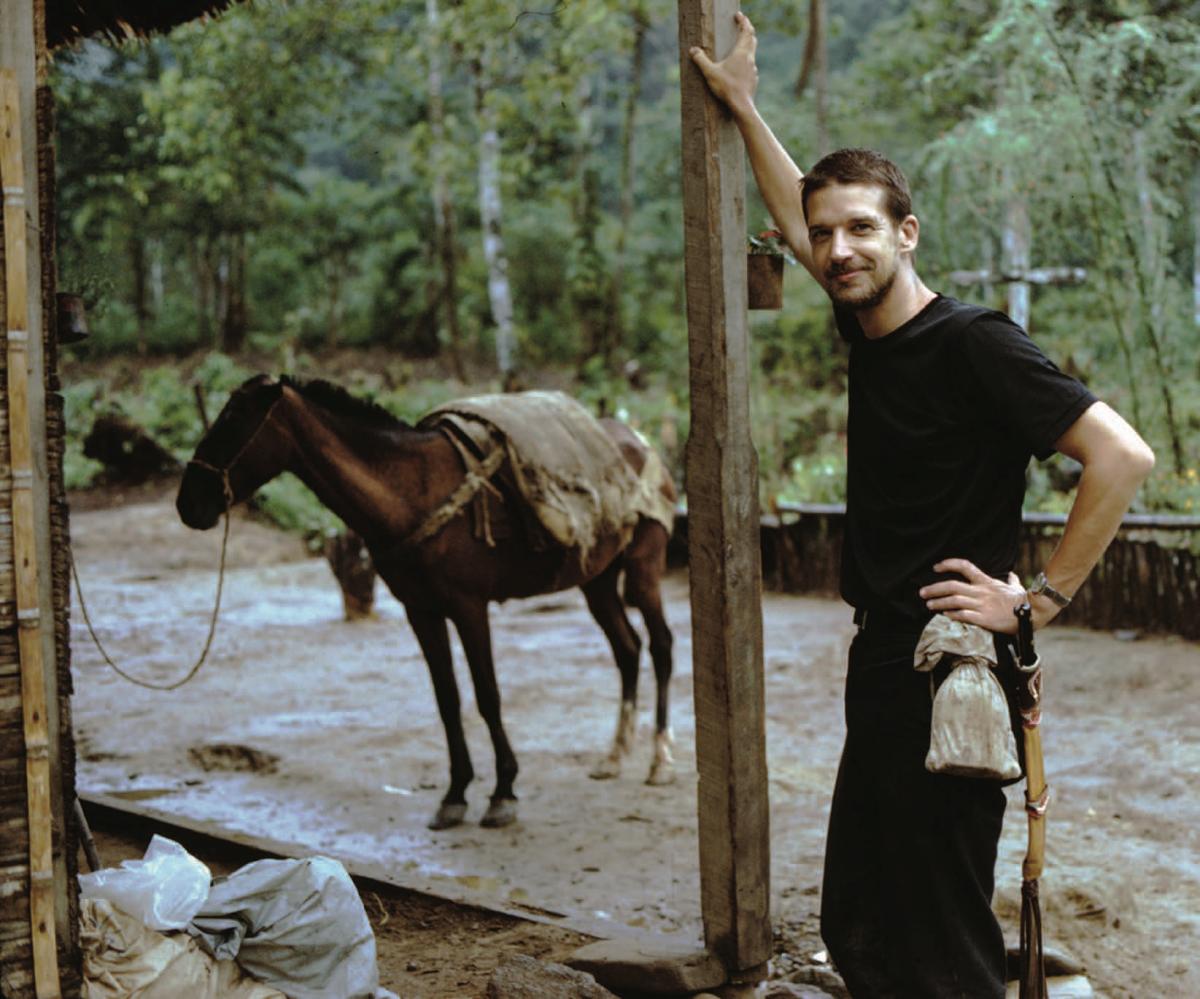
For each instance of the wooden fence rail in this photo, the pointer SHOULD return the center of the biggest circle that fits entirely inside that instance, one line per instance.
(1148, 580)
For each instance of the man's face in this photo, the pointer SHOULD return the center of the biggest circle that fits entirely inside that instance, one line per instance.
(855, 244)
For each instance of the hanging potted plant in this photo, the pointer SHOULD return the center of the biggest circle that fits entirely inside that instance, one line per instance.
(766, 253)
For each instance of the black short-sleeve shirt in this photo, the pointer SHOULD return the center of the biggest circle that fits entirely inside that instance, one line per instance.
(945, 412)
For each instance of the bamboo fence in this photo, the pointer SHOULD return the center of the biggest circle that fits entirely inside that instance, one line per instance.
(1148, 580)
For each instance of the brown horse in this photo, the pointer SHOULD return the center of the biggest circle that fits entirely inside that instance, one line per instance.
(385, 478)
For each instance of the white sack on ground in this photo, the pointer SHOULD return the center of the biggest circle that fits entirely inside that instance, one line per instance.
(122, 958)
(296, 924)
(163, 890)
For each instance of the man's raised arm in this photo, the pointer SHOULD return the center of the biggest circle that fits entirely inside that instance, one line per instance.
(733, 81)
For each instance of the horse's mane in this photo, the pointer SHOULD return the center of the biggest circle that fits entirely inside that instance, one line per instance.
(337, 400)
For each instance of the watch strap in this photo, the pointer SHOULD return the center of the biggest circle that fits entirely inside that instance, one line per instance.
(1041, 585)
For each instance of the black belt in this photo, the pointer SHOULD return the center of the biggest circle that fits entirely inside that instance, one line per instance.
(887, 619)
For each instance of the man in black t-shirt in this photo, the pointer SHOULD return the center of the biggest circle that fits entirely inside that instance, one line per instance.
(947, 403)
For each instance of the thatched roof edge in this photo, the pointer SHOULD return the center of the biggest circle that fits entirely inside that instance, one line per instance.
(70, 20)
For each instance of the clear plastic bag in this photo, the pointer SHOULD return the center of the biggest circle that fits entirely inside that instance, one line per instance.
(164, 890)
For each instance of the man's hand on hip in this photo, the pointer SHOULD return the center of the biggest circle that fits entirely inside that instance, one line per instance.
(977, 598)
(733, 80)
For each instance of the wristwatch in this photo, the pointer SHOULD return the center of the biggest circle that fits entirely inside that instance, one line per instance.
(1042, 585)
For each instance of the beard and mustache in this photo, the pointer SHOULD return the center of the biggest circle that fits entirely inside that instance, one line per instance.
(862, 299)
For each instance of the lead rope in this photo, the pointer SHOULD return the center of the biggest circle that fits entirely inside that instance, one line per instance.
(212, 627)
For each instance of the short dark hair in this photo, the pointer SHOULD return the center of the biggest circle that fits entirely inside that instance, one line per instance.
(861, 166)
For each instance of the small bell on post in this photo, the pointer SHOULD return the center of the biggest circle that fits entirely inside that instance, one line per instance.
(72, 318)
(764, 269)
(764, 281)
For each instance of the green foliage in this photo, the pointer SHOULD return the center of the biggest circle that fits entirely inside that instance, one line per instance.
(291, 505)
(1119, 100)
(264, 181)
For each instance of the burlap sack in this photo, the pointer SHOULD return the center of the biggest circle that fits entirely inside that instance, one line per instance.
(971, 732)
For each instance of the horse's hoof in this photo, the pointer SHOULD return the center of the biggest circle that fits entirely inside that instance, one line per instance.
(662, 765)
(501, 812)
(448, 816)
(661, 774)
(607, 769)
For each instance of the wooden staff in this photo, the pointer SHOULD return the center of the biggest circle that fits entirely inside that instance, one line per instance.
(25, 564)
(1032, 966)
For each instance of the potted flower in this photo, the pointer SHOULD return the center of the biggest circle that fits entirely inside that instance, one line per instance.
(766, 253)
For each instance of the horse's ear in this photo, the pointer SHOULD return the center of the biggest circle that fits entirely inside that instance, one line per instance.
(256, 381)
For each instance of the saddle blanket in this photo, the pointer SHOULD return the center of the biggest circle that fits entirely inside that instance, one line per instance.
(567, 468)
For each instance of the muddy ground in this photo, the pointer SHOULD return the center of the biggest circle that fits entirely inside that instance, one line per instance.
(305, 729)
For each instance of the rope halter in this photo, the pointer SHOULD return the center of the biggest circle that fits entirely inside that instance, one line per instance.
(224, 473)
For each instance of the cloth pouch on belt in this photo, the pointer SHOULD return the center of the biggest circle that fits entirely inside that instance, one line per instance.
(971, 733)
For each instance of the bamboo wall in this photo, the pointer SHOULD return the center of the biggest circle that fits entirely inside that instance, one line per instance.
(1148, 580)
(16, 964)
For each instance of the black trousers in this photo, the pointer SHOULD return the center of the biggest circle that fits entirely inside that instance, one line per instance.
(909, 862)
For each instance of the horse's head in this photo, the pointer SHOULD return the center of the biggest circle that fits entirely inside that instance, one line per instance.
(232, 459)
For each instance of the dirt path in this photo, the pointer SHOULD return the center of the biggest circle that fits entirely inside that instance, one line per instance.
(307, 729)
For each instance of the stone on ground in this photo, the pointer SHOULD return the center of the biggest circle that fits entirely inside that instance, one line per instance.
(822, 977)
(1060, 987)
(793, 990)
(651, 968)
(522, 977)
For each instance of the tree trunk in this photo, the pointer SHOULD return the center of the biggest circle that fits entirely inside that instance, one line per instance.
(233, 324)
(499, 293)
(588, 271)
(334, 268)
(987, 293)
(583, 144)
(141, 311)
(1152, 241)
(1016, 240)
(615, 334)
(443, 202)
(1196, 246)
(157, 276)
(815, 66)
(203, 271)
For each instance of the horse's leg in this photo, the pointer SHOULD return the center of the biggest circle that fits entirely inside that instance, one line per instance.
(472, 623)
(605, 604)
(430, 629)
(645, 564)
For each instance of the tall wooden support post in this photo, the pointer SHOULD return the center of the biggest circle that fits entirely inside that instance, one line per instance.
(723, 519)
(34, 698)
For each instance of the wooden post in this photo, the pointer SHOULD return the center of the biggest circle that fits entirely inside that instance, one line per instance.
(25, 554)
(723, 519)
(1022, 279)
(1016, 251)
